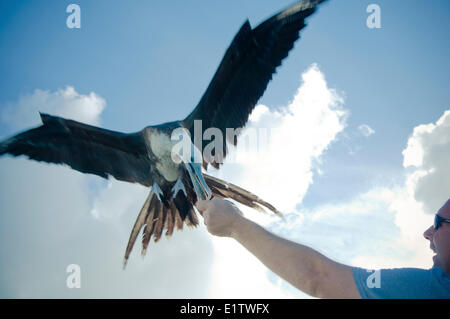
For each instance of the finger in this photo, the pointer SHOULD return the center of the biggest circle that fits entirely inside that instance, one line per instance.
(202, 205)
(206, 217)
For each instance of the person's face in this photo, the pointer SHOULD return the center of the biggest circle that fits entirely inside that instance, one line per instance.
(440, 240)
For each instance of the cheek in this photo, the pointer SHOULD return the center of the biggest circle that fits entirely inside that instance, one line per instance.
(442, 241)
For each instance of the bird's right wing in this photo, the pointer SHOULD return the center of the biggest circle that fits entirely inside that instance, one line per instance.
(85, 148)
(245, 70)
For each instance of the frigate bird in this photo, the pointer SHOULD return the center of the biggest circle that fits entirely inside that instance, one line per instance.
(146, 157)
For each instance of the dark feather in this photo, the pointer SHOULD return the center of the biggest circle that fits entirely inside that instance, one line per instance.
(170, 220)
(159, 213)
(159, 223)
(140, 221)
(85, 148)
(224, 189)
(152, 217)
(246, 69)
(155, 215)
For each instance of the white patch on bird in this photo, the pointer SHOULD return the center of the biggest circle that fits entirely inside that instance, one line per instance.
(177, 187)
(157, 190)
(161, 145)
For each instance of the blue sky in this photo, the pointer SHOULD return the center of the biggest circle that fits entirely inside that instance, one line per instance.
(152, 60)
(394, 77)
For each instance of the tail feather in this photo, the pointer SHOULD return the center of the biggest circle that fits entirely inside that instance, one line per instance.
(159, 225)
(157, 215)
(170, 220)
(178, 221)
(149, 223)
(183, 205)
(192, 219)
(137, 228)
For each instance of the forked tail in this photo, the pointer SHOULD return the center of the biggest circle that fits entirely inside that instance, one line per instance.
(158, 214)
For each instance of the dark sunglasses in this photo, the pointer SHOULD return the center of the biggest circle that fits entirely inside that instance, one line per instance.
(438, 220)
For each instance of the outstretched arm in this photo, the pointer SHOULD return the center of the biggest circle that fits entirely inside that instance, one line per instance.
(303, 267)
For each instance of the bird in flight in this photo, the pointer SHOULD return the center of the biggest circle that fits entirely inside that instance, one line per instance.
(146, 157)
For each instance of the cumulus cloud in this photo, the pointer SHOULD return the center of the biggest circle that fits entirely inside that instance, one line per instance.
(407, 245)
(290, 143)
(425, 190)
(53, 216)
(45, 227)
(67, 103)
(383, 228)
(380, 228)
(428, 150)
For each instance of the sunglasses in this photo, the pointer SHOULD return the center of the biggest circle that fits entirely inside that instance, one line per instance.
(438, 220)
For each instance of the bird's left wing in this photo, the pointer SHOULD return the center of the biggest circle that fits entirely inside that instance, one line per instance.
(85, 148)
(246, 69)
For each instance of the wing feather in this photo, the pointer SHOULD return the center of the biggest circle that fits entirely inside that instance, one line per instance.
(246, 69)
(85, 148)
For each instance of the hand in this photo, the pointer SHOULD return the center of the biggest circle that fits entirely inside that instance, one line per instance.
(221, 217)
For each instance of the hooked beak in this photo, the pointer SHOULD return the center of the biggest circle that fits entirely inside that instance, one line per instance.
(200, 187)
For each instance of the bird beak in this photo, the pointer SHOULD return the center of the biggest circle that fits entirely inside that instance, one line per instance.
(200, 187)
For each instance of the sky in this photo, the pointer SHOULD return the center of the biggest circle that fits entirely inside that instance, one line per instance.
(357, 158)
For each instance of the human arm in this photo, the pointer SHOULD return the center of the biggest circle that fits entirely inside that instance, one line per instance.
(303, 267)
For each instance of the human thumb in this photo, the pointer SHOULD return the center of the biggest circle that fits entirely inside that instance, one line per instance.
(202, 205)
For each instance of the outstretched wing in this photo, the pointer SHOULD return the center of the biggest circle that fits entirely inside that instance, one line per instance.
(85, 148)
(246, 69)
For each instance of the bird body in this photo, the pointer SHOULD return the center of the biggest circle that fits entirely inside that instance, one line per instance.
(147, 157)
(160, 147)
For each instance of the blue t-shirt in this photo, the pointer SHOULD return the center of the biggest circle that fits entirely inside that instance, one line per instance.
(402, 283)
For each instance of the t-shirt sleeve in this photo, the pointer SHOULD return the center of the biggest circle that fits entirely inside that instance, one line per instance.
(402, 283)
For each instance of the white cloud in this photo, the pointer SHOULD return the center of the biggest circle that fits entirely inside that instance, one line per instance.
(425, 190)
(428, 150)
(50, 219)
(366, 130)
(238, 274)
(67, 103)
(47, 222)
(280, 171)
(400, 214)
(381, 228)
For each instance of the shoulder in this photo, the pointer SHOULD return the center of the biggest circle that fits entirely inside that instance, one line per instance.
(402, 283)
